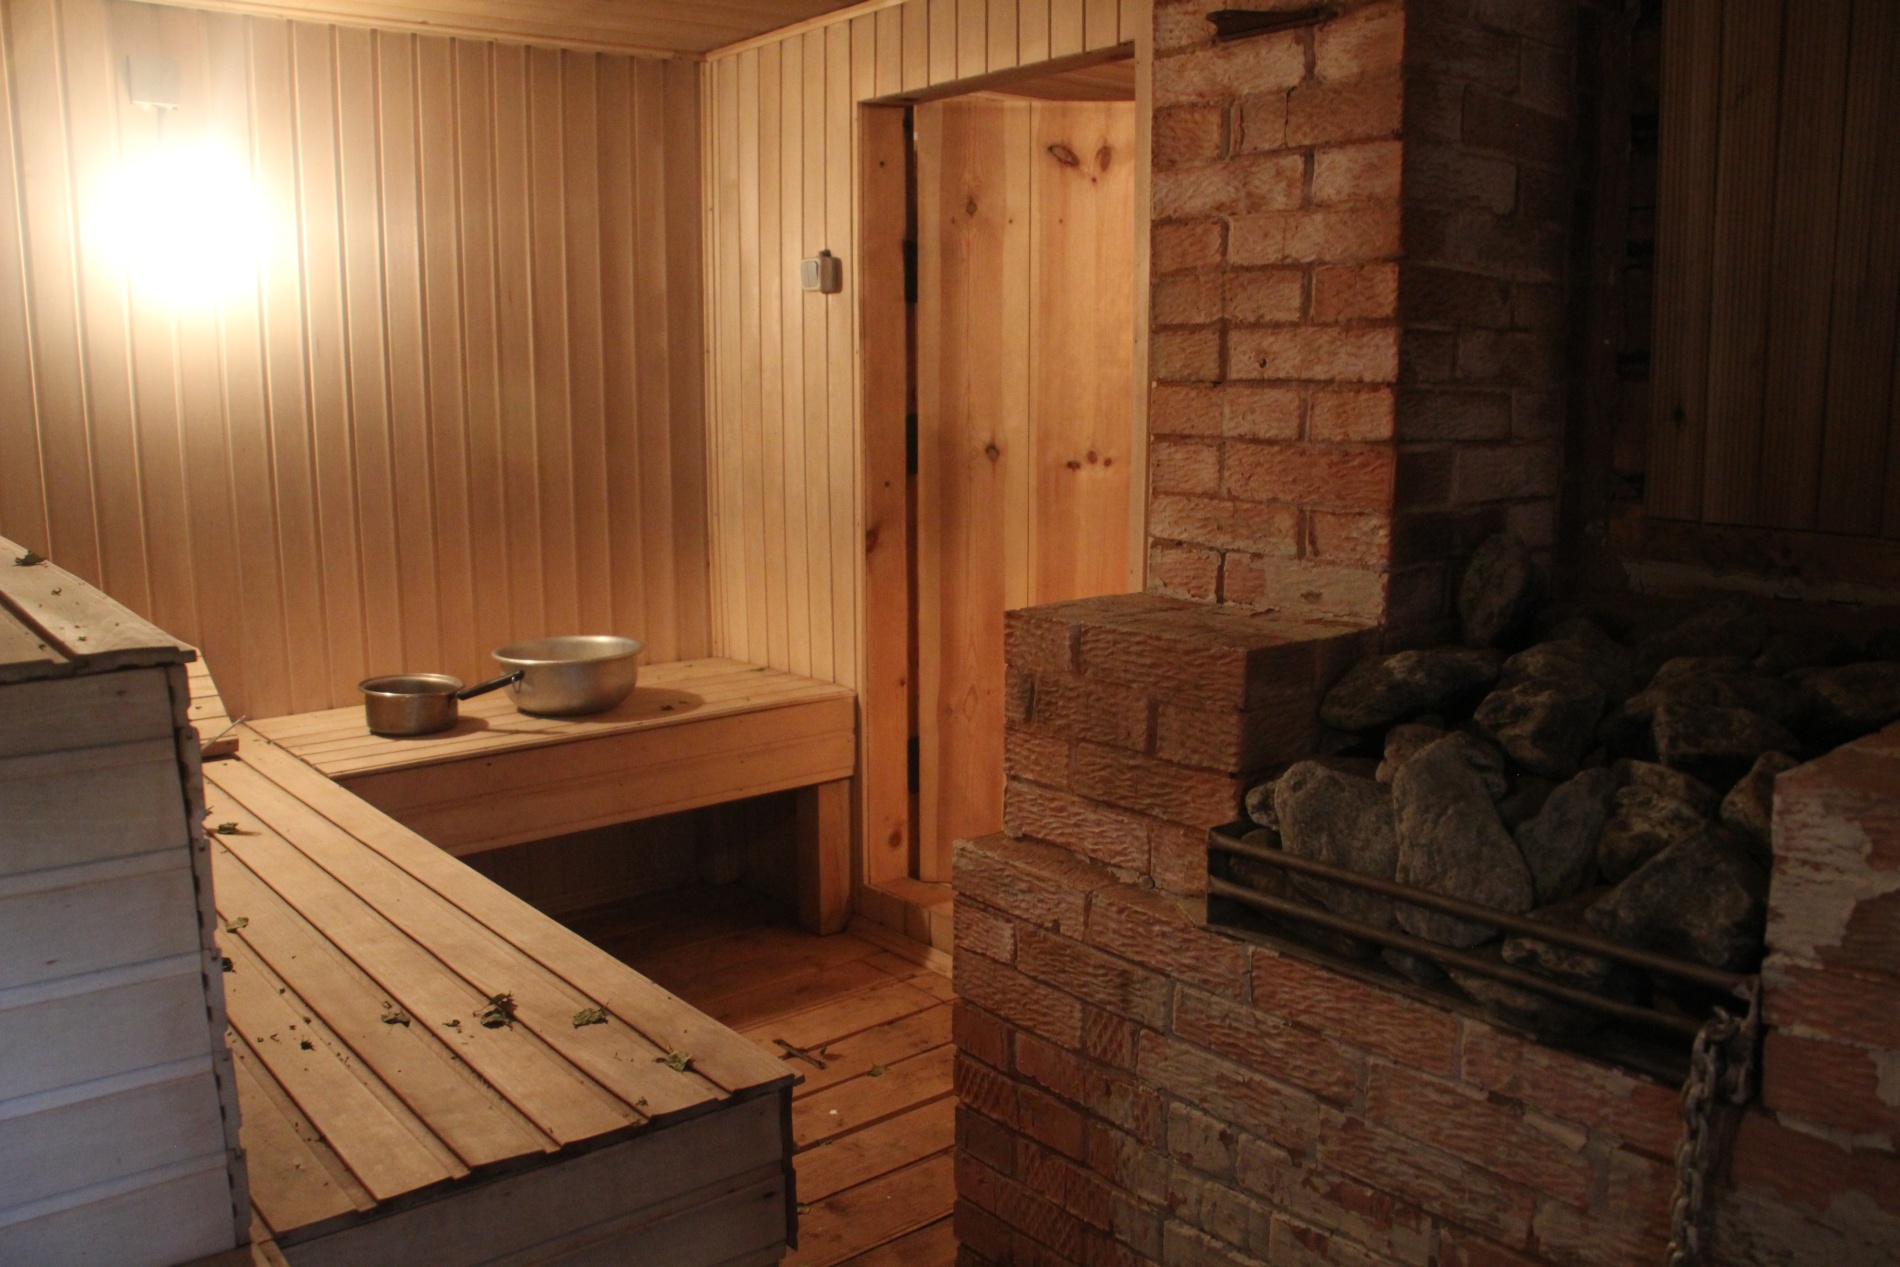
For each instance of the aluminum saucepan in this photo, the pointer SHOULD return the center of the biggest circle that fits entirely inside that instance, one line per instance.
(405, 704)
(567, 677)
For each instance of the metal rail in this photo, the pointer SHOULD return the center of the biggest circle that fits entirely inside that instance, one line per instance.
(1651, 1018)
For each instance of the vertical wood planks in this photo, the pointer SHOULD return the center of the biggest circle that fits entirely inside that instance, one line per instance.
(399, 447)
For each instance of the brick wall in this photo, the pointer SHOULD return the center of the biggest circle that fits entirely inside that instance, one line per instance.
(1359, 302)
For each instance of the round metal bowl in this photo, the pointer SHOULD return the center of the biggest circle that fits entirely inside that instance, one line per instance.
(571, 676)
(410, 703)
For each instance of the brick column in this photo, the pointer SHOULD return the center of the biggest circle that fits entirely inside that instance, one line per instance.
(1358, 302)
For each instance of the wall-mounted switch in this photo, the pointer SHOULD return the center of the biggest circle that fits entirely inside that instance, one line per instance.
(823, 273)
(152, 81)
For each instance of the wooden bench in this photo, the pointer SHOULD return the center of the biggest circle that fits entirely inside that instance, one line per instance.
(694, 733)
(386, 1123)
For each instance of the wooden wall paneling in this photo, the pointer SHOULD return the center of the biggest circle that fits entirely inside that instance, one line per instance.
(1692, 97)
(1744, 234)
(943, 41)
(1081, 327)
(1001, 22)
(884, 682)
(721, 97)
(553, 422)
(773, 424)
(524, 545)
(916, 44)
(1067, 27)
(679, 264)
(630, 377)
(973, 38)
(813, 410)
(1101, 23)
(584, 214)
(840, 575)
(889, 23)
(1032, 32)
(1860, 464)
(1814, 53)
(751, 430)
(1142, 26)
(22, 497)
(788, 161)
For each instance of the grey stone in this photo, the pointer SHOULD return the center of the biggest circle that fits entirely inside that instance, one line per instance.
(1716, 745)
(1851, 701)
(1414, 968)
(1749, 808)
(1655, 807)
(1725, 629)
(1604, 663)
(1578, 968)
(1560, 844)
(1545, 724)
(1450, 841)
(1402, 743)
(1258, 801)
(1345, 821)
(1377, 692)
(1498, 592)
(1703, 899)
(1524, 801)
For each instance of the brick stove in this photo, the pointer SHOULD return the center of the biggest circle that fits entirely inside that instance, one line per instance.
(1362, 358)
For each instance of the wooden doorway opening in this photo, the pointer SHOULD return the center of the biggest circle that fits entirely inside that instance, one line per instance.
(1013, 214)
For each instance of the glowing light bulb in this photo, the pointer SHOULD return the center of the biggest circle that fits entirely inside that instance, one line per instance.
(185, 223)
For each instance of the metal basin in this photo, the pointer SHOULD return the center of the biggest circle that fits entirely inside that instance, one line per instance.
(410, 703)
(571, 676)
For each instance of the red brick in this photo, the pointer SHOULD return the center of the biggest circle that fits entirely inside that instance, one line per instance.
(1302, 588)
(1811, 1173)
(1454, 415)
(1117, 1100)
(1637, 1110)
(1105, 833)
(981, 931)
(976, 1032)
(1539, 307)
(1827, 1082)
(1502, 472)
(1202, 1142)
(1378, 1020)
(1512, 357)
(1011, 1203)
(1258, 1040)
(1185, 409)
(976, 1228)
(1496, 123)
(1184, 571)
(1631, 1224)
(1832, 1003)
(1079, 707)
(1428, 536)
(1436, 1182)
(1451, 176)
(1056, 1178)
(1197, 654)
(1466, 1124)
(1393, 1230)
(1460, 1248)
(1334, 354)
(1180, 794)
(1238, 742)
(1227, 525)
(1183, 1246)
(1108, 1039)
(1176, 246)
(1544, 73)
(1256, 412)
(1257, 296)
(1533, 523)
(1177, 859)
(1215, 73)
(1035, 640)
(1124, 1161)
(1474, 239)
(1224, 1213)
(1185, 299)
(1262, 123)
(1366, 171)
(986, 1139)
(1189, 134)
(1319, 113)
(1538, 415)
(1111, 984)
(1349, 293)
(1188, 467)
(1331, 235)
(1018, 1000)
(1351, 415)
(1294, 1244)
(982, 1089)
(1000, 874)
(1428, 356)
(1185, 356)
(1051, 1123)
(1349, 538)
(1460, 49)
(1247, 1098)
(1327, 476)
(1451, 297)
(1151, 929)
(1036, 756)
(1364, 42)
(1423, 477)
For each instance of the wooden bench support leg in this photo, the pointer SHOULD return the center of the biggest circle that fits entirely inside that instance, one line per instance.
(824, 856)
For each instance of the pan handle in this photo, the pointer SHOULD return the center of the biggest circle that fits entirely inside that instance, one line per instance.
(492, 684)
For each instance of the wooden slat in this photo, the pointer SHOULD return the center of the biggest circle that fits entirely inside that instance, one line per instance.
(859, 1219)
(296, 1179)
(86, 629)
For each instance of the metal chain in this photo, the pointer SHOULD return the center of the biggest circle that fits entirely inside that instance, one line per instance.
(1721, 1066)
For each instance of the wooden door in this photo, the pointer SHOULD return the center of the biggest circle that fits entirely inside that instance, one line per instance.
(1025, 409)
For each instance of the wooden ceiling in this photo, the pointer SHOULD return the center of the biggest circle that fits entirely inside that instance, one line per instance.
(623, 26)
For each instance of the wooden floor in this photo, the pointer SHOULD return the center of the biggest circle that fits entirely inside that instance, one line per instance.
(874, 1126)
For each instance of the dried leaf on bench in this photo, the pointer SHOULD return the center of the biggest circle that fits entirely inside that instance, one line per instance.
(32, 558)
(590, 1016)
(499, 1011)
(242, 921)
(230, 829)
(452, 1024)
(678, 1061)
(393, 1015)
(224, 962)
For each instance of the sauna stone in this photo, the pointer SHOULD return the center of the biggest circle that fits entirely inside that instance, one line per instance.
(1452, 842)
(1375, 693)
(1546, 724)
(1716, 745)
(1703, 898)
(1560, 844)
(1498, 592)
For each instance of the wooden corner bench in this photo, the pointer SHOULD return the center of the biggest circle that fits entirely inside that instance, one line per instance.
(694, 733)
(387, 1122)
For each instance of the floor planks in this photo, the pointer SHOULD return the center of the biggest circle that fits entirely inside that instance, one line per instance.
(875, 1125)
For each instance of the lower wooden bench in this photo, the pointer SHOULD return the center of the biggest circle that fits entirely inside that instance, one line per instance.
(431, 1071)
(694, 733)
